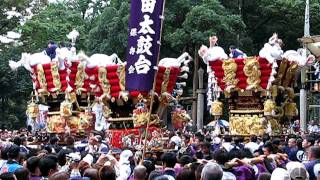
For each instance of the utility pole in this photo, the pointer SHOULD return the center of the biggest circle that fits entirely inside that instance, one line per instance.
(303, 92)
(200, 104)
(194, 89)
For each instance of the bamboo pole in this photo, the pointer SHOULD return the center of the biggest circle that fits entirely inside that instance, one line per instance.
(153, 87)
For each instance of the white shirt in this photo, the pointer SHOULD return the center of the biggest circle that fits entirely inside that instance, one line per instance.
(313, 128)
(252, 146)
(228, 176)
(227, 146)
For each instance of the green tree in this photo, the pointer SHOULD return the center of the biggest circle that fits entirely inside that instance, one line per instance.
(52, 23)
(286, 17)
(110, 32)
(203, 20)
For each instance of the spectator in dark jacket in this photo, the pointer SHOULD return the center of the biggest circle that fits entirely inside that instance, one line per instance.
(51, 50)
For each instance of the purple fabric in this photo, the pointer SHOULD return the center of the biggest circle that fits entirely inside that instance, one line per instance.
(309, 167)
(261, 169)
(35, 178)
(143, 46)
(244, 173)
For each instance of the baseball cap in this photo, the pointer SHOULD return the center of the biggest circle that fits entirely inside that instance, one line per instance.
(280, 174)
(297, 170)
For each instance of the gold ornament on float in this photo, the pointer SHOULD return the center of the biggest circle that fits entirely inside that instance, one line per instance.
(230, 68)
(80, 77)
(247, 125)
(216, 108)
(290, 109)
(103, 80)
(66, 108)
(269, 107)
(106, 111)
(42, 80)
(252, 70)
(33, 110)
(55, 76)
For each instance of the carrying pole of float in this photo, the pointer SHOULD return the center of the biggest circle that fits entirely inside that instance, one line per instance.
(153, 86)
(303, 92)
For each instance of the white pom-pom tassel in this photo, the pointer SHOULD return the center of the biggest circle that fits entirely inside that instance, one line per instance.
(14, 65)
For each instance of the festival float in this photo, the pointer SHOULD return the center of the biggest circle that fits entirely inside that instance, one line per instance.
(258, 90)
(77, 94)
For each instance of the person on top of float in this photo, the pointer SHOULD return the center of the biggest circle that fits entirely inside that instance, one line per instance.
(51, 50)
(235, 52)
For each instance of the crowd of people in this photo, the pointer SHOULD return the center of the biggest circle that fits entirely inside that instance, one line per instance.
(193, 156)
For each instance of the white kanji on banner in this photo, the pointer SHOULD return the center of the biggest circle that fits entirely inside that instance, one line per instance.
(148, 6)
(142, 65)
(132, 50)
(131, 69)
(145, 25)
(144, 45)
(133, 32)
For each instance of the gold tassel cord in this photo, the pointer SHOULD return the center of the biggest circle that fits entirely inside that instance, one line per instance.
(230, 68)
(166, 77)
(80, 77)
(104, 83)
(252, 70)
(41, 79)
(55, 76)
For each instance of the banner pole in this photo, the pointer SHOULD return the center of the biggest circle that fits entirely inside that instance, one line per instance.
(153, 86)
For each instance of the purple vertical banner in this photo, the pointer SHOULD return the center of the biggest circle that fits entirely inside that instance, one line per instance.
(143, 43)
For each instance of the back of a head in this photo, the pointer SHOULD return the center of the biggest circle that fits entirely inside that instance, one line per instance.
(149, 165)
(186, 173)
(91, 173)
(169, 158)
(7, 176)
(21, 173)
(4, 153)
(315, 152)
(107, 172)
(53, 140)
(46, 164)
(264, 176)
(51, 42)
(17, 141)
(198, 171)
(69, 140)
(140, 172)
(185, 159)
(265, 138)
(154, 174)
(235, 153)
(253, 138)
(221, 156)
(59, 176)
(211, 171)
(13, 151)
(227, 138)
(33, 163)
(310, 139)
(62, 155)
(232, 47)
(276, 141)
